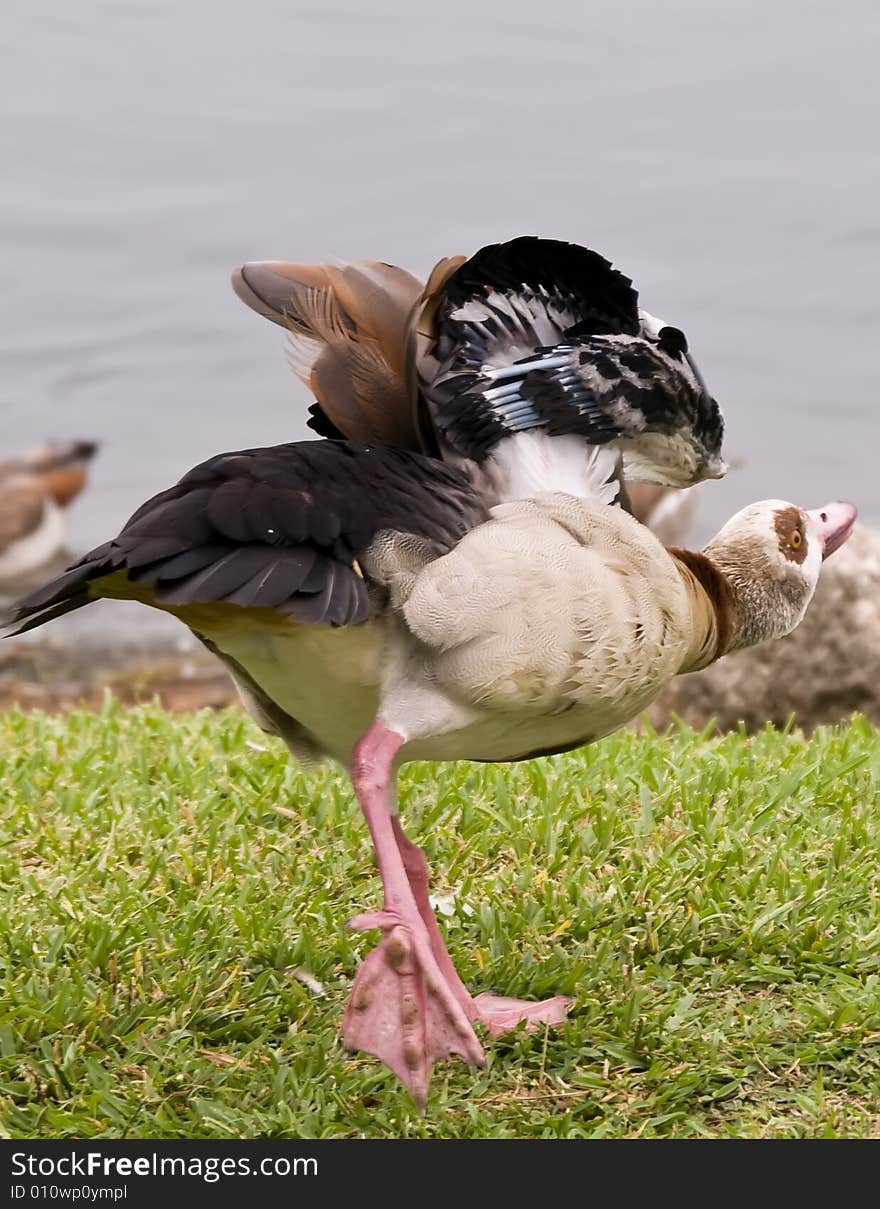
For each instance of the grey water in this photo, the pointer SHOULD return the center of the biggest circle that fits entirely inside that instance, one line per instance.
(724, 155)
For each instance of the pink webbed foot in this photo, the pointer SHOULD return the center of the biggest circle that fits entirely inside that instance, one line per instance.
(500, 1014)
(402, 1009)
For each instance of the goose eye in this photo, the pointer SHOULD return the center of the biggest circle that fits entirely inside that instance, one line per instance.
(795, 541)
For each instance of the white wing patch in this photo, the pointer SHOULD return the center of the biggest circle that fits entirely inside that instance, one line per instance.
(531, 320)
(528, 463)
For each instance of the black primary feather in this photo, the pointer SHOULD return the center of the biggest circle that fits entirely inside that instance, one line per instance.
(321, 423)
(279, 528)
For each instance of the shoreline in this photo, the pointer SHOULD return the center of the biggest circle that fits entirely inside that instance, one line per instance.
(57, 677)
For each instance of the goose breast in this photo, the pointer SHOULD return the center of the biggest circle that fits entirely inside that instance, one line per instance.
(554, 604)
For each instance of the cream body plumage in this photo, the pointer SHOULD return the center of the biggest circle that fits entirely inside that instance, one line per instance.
(551, 624)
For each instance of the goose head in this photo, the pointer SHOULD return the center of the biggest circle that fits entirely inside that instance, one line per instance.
(770, 555)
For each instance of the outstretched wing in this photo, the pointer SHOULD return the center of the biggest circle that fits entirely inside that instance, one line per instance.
(278, 528)
(537, 334)
(485, 324)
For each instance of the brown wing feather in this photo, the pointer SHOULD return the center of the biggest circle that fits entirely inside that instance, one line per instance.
(419, 340)
(348, 326)
(434, 293)
(360, 395)
(379, 298)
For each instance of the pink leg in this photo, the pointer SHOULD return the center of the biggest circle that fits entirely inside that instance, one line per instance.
(401, 1008)
(497, 1012)
(417, 873)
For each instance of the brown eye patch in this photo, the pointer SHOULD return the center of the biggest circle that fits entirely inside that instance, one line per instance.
(789, 525)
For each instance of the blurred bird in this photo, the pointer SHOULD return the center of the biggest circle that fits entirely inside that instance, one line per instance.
(34, 491)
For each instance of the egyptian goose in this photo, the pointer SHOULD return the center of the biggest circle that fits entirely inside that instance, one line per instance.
(529, 365)
(34, 491)
(371, 607)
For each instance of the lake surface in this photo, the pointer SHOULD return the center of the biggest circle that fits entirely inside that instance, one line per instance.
(723, 156)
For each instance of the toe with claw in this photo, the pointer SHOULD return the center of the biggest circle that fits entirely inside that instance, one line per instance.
(500, 1014)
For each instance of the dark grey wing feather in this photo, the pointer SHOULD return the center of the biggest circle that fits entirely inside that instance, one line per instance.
(278, 580)
(152, 549)
(279, 528)
(220, 580)
(319, 605)
(66, 592)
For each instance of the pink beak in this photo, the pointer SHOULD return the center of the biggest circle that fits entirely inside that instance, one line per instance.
(834, 524)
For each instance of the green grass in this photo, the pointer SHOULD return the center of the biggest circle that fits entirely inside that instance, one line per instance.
(712, 904)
